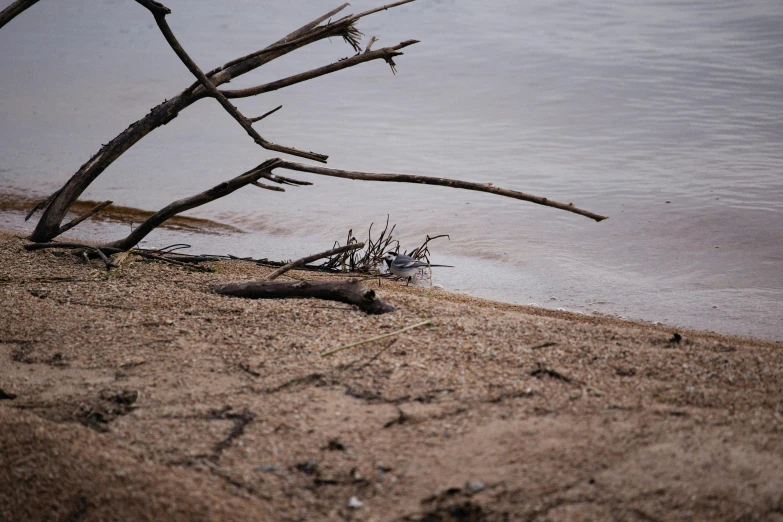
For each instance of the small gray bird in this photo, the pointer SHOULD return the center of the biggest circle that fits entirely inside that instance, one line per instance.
(405, 266)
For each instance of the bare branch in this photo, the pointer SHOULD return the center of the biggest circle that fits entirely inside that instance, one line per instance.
(385, 53)
(444, 182)
(14, 10)
(285, 181)
(288, 40)
(97, 208)
(172, 209)
(159, 12)
(383, 8)
(315, 257)
(259, 118)
(369, 44)
(267, 187)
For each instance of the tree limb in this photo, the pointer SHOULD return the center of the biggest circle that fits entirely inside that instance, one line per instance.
(159, 12)
(172, 209)
(315, 257)
(350, 291)
(444, 182)
(386, 53)
(14, 10)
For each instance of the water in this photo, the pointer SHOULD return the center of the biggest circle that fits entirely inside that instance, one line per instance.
(665, 116)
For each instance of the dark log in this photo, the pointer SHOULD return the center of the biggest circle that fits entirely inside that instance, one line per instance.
(14, 10)
(350, 292)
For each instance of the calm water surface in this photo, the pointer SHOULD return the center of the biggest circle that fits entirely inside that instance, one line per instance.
(666, 116)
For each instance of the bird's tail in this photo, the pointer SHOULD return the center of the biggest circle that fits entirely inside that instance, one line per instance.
(444, 266)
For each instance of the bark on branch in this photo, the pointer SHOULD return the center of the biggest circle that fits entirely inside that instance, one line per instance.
(350, 291)
(443, 182)
(14, 10)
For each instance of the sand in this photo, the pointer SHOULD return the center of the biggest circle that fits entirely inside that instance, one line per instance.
(142, 395)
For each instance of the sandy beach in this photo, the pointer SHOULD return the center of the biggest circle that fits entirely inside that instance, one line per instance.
(142, 395)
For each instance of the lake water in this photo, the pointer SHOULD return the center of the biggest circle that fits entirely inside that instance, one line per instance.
(665, 116)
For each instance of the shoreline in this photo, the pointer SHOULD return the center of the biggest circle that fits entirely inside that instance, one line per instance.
(142, 394)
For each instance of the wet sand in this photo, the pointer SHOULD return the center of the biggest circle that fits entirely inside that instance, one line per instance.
(141, 394)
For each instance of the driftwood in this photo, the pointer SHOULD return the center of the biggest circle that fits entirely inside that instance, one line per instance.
(315, 257)
(56, 206)
(350, 291)
(207, 85)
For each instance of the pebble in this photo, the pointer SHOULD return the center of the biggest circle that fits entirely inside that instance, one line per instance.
(474, 486)
(355, 503)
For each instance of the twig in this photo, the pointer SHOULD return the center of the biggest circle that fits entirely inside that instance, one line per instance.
(428, 322)
(283, 269)
(444, 182)
(167, 260)
(267, 187)
(97, 208)
(259, 118)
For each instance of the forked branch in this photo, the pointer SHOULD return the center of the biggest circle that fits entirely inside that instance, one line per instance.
(159, 12)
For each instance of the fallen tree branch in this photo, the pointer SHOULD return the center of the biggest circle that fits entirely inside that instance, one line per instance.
(443, 182)
(428, 322)
(315, 257)
(351, 292)
(57, 205)
(159, 12)
(172, 209)
(14, 10)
